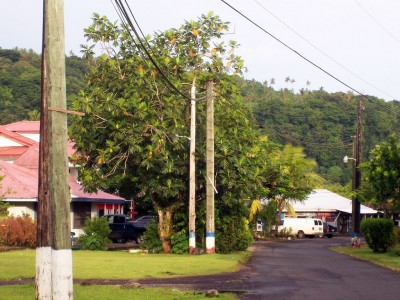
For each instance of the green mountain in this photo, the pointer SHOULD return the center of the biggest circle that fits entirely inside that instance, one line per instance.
(322, 123)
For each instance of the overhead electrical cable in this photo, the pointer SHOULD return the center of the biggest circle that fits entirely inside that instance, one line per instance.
(321, 51)
(303, 57)
(377, 22)
(127, 20)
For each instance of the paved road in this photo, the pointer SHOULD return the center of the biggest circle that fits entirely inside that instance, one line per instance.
(300, 269)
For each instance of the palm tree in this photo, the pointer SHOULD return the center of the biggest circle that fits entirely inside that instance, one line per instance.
(272, 81)
(297, 178)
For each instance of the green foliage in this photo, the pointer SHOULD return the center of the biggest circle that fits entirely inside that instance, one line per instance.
(4, 208)
(20, 77)
(95, 237)
(151, 239)
(381, 176)
(232, 232)
(180, 243)
(18, 231)
(378, 234)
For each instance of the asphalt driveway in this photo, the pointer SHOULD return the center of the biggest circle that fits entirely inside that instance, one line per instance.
(299, 269)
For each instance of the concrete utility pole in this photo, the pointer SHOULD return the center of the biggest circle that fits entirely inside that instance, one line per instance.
(192, 171)
(210, 186)
(53, 254)
(356, 219)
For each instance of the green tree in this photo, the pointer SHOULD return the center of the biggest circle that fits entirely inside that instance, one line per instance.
(381, 176)
(295, 180)
(129, 134)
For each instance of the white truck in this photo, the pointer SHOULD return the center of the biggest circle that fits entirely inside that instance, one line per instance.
(302, 227)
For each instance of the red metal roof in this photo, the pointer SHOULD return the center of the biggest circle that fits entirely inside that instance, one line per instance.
(24, 126)
(22, 183)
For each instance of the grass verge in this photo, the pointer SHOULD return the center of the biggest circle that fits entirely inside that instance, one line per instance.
(110, 292)
(390, 259)
(20, 264)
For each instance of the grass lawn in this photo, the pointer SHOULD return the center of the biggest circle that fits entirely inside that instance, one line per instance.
(388, 260)
(109, 292)
(20, 264)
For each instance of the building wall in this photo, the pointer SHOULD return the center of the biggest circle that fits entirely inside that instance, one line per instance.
(22, 208)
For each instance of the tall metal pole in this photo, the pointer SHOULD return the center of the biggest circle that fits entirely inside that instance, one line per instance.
(356, 218)
(192, 171)
(210, 186)
(53, 255)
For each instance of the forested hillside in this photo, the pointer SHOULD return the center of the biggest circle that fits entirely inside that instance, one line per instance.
(20, 83)
(321, 122)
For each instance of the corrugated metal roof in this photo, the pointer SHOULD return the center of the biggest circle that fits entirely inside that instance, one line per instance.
(22, 183)
(322, 200)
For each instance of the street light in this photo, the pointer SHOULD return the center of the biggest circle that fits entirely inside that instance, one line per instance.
(346, 159)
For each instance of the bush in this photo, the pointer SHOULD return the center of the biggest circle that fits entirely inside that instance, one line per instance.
(180, 243)
(378, 234)
(95, 237)
(232, 234)
(18, 231)
(232, 231)
(151, 239)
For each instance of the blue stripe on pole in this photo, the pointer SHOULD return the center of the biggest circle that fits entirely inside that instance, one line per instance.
(192, 235)
(210, 234)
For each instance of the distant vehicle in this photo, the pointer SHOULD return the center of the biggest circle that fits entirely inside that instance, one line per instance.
(302, 227)
(123, 229)
(144, 221)
(330, 229)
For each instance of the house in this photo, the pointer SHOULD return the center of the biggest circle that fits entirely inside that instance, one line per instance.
(330, 207)
(19, 162)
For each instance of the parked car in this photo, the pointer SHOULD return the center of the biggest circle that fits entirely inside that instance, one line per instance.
(330, 229)
(144, 221)
(123, 229)
(302, 227)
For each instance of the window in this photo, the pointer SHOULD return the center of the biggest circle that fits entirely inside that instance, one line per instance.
(81, 213)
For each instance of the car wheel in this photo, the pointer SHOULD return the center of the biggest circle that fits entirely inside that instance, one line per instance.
(121, 240)
(300, 234)
(321, 235)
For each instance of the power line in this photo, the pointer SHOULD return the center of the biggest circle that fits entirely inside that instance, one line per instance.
(319, 50)
(300, 55)
(127, 20)
(377, 22)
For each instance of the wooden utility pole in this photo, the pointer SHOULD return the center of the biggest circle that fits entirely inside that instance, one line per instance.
(53, 254)
(210, 186)
(356, 219)
(192, 171)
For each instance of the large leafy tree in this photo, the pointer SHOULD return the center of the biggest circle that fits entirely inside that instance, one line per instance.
(381, 176)
(128, 138)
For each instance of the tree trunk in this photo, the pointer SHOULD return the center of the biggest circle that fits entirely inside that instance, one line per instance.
(164, 228)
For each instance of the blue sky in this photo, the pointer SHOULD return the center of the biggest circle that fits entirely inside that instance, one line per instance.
(358, 41)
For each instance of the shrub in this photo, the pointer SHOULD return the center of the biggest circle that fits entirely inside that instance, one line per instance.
(232, 231)
(151, 239)
(18, 231)
(232, 235)
(286, 232)
(95, 237)
(180, 243)
(378, 234)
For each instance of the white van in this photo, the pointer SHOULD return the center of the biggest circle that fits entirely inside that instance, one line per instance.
(302, 226)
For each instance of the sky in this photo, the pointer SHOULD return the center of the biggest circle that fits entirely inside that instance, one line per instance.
(356, 41)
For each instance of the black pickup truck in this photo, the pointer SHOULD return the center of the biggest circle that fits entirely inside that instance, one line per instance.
(123, 229)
